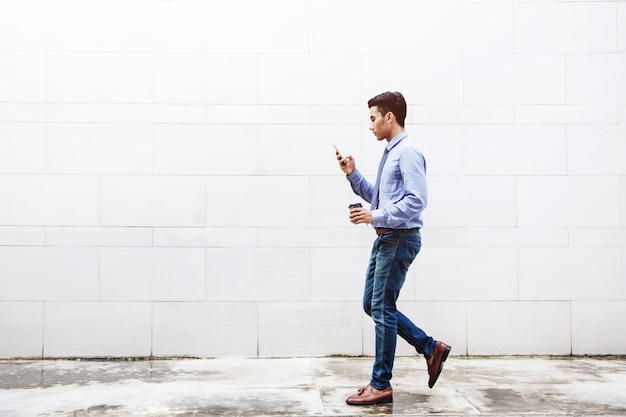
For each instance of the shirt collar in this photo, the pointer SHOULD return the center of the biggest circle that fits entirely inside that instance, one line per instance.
(397, 139)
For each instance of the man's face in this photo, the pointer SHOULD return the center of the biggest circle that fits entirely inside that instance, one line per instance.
(379, 124)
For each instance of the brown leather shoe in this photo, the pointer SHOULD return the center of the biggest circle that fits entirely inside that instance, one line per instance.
(435, 366)
(369, 396)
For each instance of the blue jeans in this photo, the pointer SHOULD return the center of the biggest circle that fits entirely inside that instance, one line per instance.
(392, 254)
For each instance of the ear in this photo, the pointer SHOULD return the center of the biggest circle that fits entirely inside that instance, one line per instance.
(390, 117)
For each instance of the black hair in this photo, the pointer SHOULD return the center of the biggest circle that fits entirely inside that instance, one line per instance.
(390, 101)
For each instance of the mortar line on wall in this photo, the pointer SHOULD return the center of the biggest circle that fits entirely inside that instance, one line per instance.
(153, 149)
(45, 147)
(206, 272)
(99, 273)
(566, 152)
(466, 328)
(518, 273)
(99, 225)
(206, 203)
(43, 328)
(362, 336)
(99, 200)
(571, 331)
(517, 202)
(565, 77)
(152, 329)
(309, 249)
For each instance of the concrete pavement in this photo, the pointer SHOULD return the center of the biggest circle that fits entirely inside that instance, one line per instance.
(501, 386)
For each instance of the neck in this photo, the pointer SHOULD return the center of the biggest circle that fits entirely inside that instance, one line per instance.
(395, 131)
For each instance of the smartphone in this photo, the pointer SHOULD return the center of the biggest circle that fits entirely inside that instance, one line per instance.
(355, 205)
(344, 163)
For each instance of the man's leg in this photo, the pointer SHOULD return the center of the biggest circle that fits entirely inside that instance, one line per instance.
(435, 352)
(415, 336)
(372, 393)
(393, 254)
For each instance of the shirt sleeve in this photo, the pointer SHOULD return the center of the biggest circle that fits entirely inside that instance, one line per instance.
(361, 186)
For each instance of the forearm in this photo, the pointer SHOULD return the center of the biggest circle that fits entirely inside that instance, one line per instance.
(360, 185)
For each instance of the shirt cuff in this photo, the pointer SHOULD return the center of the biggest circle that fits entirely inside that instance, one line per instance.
(354, 177)
(378, 218)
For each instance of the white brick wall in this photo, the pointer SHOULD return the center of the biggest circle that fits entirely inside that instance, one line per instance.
(168, 184)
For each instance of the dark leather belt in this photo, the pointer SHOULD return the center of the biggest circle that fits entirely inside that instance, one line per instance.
(383, 230)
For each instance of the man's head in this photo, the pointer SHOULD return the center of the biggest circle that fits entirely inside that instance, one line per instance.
(387, 114)
(390, 101)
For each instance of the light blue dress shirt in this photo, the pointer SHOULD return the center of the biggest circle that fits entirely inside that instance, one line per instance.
(403, 194)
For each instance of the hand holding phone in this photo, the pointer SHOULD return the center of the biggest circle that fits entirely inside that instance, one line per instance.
(342, 162)
(345, 163)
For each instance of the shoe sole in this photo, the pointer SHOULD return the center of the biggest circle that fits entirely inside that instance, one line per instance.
(383, 401)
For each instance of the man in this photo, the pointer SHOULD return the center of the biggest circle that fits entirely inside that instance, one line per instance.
(397, 200)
